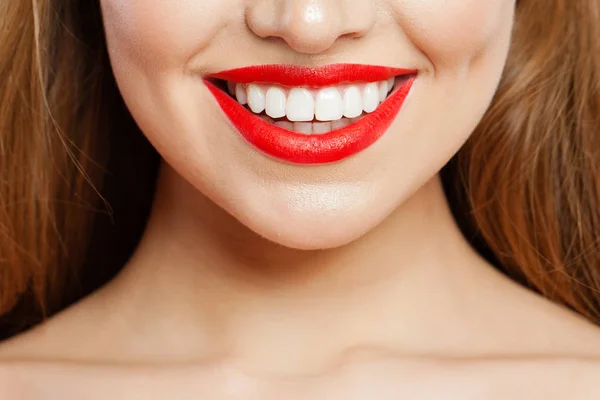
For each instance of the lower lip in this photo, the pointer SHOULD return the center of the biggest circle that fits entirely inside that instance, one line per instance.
(298, 148)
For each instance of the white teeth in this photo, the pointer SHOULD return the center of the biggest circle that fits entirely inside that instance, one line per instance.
(285, 125)
(275, 102)
(329, 106)
(256, 99)
(310, 127)
(305, 105)
(383, 91)
(300, 105)
(370, 97)
(391, 83)
(303, 127)
(340, 123)
(240, 94)
(321, 127)
(352, 102)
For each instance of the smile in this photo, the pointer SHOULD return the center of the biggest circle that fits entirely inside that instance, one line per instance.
(311, 115)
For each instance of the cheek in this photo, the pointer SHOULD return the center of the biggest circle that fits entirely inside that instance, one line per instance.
(161, 33)
(451, 32)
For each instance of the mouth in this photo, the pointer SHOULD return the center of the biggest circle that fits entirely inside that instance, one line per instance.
(311, 115)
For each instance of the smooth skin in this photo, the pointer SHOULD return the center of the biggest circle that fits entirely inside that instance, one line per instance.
(257, 279)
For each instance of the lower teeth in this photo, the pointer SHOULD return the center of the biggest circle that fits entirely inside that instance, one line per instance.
(310, 127)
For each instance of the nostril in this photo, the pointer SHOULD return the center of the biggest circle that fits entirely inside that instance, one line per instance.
(352, 35)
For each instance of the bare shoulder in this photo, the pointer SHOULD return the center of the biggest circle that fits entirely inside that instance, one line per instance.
(584, 381)
(10, 385)
(33, 344)
(19, 380)
(515, 378)
(526, 378)
(50, 380)
(393, 378)
(71, 334)
(532, 378)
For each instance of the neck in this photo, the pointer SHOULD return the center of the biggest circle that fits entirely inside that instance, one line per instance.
(198, 263)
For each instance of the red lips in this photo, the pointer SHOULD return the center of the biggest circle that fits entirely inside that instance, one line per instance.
(300, 148)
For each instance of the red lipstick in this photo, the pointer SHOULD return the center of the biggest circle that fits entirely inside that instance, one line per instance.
(301, 148)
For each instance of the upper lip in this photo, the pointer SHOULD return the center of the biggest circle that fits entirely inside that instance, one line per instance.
(312, 77)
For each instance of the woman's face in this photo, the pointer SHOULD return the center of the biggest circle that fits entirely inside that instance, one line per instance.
(286, 178)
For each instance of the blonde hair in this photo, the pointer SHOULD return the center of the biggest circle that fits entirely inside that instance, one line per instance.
(525, 188)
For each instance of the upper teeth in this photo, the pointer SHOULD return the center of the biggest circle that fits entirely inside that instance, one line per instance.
(303, 105)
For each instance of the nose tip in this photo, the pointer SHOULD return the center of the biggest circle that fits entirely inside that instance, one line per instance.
(311, 26)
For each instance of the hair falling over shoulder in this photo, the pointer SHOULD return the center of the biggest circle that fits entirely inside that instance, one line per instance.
(63, 129)
(529, 177)
(525, 188)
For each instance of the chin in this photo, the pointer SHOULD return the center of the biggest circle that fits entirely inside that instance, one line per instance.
(312, 227)
(313, 236)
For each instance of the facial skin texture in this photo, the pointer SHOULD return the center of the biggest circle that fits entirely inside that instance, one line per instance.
(161, 50)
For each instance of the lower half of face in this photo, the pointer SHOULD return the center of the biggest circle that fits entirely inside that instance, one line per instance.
(303, 153)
